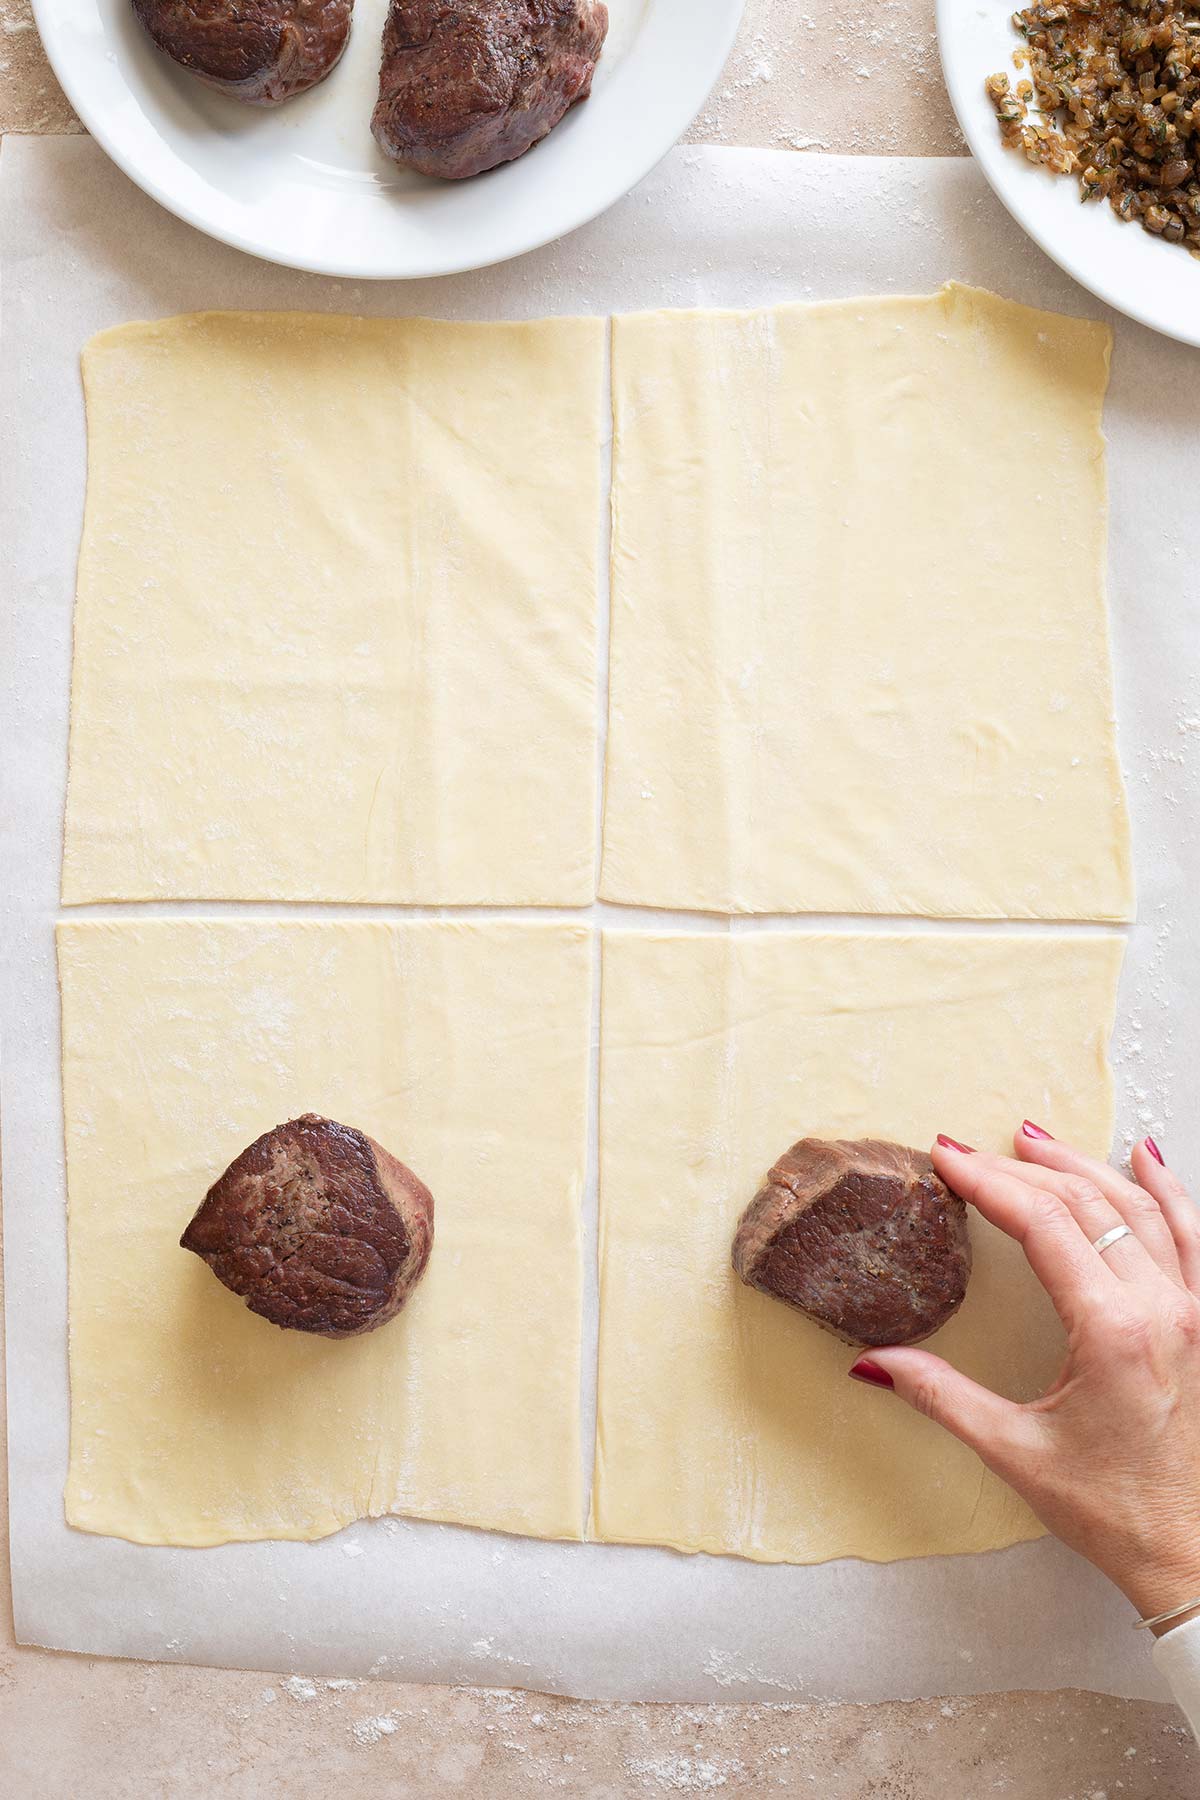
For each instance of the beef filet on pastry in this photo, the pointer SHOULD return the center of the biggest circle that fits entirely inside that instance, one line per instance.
(863, 1237)
(317, 1228)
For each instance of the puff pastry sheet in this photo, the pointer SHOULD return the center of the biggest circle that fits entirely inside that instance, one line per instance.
(860, 654)
(335, 625)
(726, 1421)
(464, 1050)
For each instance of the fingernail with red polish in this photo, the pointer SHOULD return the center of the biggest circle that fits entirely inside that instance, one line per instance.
(870, 1372)
(1035, 1131)
(1155, 1152)
(949, 1143)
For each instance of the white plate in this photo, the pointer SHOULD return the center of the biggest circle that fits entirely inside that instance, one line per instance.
(1156, 283)
(304, 184)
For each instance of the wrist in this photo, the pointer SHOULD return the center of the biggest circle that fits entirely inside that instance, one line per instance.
(1163, 1626)
(1162, 1587)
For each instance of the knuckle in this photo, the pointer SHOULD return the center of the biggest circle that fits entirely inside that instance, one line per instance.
(926, 1399)
(1045, 1208)
(1185, 1320)
(1143, 1208)
(1132, 1332)
(1189, 1210)
(1081, 1191)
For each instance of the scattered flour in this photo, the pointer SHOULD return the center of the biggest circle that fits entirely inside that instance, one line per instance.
(801, 87)
(371, 1731)
(726, 1670)
(1146, 1055)
(685, 1774)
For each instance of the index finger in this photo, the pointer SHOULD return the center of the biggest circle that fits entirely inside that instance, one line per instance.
(1057, 1250)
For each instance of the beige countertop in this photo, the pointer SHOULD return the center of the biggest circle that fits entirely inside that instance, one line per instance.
(856, 76)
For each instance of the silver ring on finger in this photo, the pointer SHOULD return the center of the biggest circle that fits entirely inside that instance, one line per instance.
(1107, 1239)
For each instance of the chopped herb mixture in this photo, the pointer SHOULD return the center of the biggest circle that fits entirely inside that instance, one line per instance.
(1112, 96)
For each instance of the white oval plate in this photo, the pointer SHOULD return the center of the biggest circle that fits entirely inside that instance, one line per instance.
(305, 185)
(1155, 283)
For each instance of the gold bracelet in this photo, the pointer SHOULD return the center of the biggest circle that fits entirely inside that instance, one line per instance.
(1176, 1612)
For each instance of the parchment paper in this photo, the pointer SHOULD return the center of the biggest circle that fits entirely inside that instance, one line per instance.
(84, 249)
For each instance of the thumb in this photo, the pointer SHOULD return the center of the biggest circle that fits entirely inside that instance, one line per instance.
(985, 1421)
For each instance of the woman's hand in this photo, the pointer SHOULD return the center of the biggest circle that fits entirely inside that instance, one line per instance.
(1109, 1457)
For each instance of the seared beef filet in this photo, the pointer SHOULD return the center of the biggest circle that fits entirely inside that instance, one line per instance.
(262, 51)
(863, 1237)
(317, 1228)
(467, 84)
